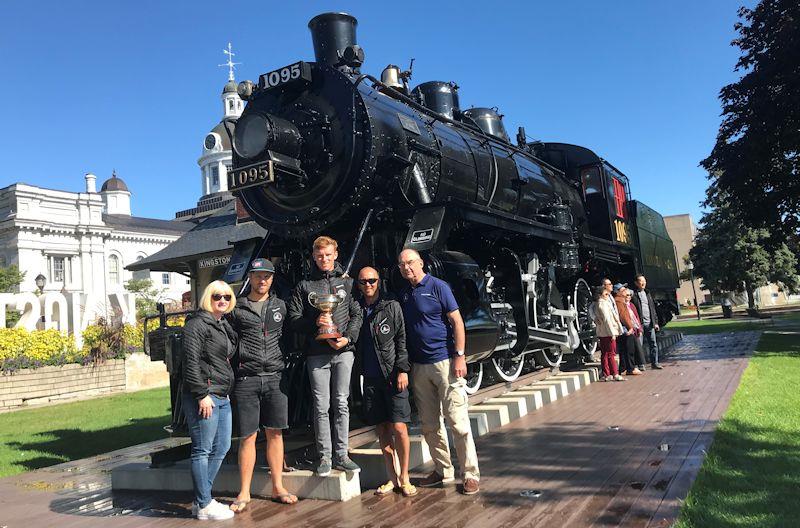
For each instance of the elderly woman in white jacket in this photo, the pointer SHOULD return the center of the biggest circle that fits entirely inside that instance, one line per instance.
(608, 328)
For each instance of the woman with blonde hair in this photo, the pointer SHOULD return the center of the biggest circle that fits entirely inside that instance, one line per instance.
(208, 344)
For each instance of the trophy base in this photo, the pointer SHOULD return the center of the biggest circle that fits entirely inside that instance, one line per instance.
(328, 335)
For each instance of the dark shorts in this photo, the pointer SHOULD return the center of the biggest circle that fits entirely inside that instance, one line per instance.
(261, 401)
(382, 403)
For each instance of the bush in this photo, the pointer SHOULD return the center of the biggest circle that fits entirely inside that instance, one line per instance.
(109, 340)
(22, 349)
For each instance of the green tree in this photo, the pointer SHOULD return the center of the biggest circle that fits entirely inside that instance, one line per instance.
(147, 295)
(730, 255)
(10, 278)
(756, 158)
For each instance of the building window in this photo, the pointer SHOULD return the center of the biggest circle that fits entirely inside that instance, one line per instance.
(231, 104)
(215, 175)
(141, 274)
(57, 269)
(113, 269)
(165, 279)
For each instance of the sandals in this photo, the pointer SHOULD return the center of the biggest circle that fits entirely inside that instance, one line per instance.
(408, 490)
(238, 506)
(285, 498)
(385, 489)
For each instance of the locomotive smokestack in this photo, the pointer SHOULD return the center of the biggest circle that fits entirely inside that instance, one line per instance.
(334, 36)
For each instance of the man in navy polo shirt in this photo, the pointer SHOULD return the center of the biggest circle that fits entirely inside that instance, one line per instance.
(435, 338)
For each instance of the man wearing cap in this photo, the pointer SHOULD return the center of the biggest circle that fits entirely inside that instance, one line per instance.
(260, 397)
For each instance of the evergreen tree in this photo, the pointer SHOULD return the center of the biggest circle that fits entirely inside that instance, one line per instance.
(756, 159)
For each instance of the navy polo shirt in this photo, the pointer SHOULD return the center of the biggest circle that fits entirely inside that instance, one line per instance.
(429, 336)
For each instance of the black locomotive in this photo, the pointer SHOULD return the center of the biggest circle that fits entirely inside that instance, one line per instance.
(518, 230)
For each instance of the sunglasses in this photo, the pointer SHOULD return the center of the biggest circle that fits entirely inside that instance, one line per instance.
(219, 296)
(367, 281)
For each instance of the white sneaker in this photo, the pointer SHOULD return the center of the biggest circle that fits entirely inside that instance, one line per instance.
(215, 512)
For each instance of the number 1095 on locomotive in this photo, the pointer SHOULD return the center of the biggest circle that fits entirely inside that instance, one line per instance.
(250, 176)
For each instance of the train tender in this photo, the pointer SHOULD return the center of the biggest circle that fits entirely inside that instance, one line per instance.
(519, 230)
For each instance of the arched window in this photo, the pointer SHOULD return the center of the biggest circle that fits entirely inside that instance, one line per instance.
(141, 274)
(113, 269)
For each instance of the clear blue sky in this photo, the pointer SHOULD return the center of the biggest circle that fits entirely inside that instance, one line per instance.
(91, 86)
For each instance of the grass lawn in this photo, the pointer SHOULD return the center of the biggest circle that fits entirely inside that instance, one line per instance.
(715, 326)
(50, 435)
(751, 475)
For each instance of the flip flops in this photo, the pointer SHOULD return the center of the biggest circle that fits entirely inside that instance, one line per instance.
(238, 506)
(385, 489)
(285, 498)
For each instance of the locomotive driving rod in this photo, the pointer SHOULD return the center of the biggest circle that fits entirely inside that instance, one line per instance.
(361, 231)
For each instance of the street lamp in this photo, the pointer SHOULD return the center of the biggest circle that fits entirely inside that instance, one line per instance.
(690, 267)
(40, 281)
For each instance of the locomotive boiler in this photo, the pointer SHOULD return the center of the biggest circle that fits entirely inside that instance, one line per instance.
(519, 230)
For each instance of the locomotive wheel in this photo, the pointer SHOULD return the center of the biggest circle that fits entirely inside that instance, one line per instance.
(549, 357)
(582, 297)
(474, 377)
(508, 369)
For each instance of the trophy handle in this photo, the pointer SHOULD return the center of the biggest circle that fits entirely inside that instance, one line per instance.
(312, 296)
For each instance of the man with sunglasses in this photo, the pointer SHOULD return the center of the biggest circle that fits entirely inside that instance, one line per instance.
(384, 364)
(436, 340)
(329, 361)
(260, 397)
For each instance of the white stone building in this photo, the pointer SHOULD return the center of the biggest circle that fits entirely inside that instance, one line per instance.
(80, 243)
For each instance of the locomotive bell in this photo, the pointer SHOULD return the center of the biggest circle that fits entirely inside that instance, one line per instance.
(390, 76)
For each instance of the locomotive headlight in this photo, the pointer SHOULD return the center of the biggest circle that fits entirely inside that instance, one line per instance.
(251, 136)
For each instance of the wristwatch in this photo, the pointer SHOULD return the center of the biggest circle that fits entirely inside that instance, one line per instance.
(459, 352)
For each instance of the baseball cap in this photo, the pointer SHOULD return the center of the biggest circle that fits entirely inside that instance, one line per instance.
(261, 264)
(618, 286)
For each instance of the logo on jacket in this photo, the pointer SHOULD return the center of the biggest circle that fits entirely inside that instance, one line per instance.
(384, 329)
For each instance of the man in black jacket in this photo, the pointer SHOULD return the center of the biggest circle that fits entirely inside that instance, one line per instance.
(329, 361)
(260, 398)
(384, 364)
(647, 313)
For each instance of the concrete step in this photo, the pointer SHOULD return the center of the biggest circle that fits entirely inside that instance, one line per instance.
(338, 486)
(373, 466)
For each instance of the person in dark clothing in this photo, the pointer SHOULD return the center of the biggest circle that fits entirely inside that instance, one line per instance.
(384, 364)
(208, 345)
(329, 361)
(260, 397)
(646, 308)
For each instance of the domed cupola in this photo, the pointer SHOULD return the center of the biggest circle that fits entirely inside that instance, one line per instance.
(116, 196)
(216, 158)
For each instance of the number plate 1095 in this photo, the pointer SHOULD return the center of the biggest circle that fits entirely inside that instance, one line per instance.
(297, 72)
(251, 176)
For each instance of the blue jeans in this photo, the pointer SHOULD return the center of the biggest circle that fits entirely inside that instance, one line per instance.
(330, 375)
(211, 439)
(649, 335)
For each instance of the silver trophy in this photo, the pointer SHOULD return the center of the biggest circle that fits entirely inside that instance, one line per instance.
(327, 303)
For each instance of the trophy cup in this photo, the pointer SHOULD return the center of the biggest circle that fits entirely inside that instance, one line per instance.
(327, 303)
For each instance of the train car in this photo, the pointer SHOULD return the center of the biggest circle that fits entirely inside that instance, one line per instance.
(519, 230)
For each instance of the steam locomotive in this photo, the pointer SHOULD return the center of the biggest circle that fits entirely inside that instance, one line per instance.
(519, 230)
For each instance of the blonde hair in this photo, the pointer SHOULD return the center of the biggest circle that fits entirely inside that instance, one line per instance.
(325, 241)
(217, 286)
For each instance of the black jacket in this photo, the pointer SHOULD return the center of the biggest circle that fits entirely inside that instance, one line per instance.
(388, 333)
(303, 316)
(259, 336)
(208, 345)
(638, 304)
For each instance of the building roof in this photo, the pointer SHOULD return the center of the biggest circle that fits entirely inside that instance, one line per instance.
(215, 234)
(146, 225)
(230, 87)
(222, 129)
(114, 184)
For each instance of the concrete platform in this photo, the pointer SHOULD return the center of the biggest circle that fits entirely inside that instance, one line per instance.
(338, 486)
(373, 468)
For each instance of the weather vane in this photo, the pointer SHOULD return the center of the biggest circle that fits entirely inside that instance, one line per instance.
(230, 64)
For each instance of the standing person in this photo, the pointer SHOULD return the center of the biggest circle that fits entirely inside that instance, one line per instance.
(646, 308)
(631, 329)
(637, 355)
(384, 364)
(208, 345)
(436, 340)
(608, 329)
(260, 398)
(329, 361)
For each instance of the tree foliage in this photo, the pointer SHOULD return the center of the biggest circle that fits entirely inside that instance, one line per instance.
(755, 162)
(147, 295)
(10, 278)
(731, 255)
